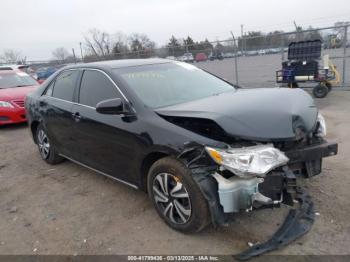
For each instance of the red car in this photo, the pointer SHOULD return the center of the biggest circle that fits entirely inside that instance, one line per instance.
(201, 57)
(14, 86)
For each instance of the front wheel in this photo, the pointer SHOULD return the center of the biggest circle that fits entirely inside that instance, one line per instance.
(176, 196)
(46, 149)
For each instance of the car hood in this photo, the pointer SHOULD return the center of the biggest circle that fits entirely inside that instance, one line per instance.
(263, 114)
(15, 92)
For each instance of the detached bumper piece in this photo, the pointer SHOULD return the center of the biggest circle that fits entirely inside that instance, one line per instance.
(314, 152)
(297, 223)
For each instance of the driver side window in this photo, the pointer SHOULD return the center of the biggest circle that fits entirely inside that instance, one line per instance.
(96, 87)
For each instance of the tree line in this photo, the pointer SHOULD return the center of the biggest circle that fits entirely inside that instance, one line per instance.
(97, 44)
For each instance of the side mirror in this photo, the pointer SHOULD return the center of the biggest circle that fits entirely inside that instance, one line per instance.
(113, 106)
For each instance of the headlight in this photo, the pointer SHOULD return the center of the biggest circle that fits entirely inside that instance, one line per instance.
(248, 161)
(5, 104)
(322, 129)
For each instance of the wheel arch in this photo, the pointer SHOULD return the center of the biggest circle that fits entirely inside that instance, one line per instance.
(146, 164)
(33, 127)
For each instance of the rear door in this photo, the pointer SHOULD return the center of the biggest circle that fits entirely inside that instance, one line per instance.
(105, 142)
(57, 106)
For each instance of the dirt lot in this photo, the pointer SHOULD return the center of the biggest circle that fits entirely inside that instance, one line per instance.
(67, 209)
(260, 71)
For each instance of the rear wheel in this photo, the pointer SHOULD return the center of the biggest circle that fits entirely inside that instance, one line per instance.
(320, 91)
(176, 196)
(46, 149)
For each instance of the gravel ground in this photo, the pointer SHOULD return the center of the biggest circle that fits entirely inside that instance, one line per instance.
(260, 71)
(67, 209)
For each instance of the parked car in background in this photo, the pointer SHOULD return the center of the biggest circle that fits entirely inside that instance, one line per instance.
(262, 52)
(216, 55)
(201, 57)
(251, 53)
(171, 57)
(187, 57)
(14, 86)
(273, 50)
(25, 68)
(229, 55)
(45, 72)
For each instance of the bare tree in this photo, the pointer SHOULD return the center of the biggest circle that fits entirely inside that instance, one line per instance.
(98, 42)
(120, 43)
(12, 56)
(140, 42)
(60, 54)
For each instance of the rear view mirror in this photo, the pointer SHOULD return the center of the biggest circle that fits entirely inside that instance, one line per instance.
(113, 106)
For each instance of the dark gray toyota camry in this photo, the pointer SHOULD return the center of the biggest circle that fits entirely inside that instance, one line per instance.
(201, 148)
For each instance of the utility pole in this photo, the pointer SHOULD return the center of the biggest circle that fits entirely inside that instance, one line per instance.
(75, 60)
(345, 41)
(242, 41)
(297, 30)
(235, 46)
(81, 52)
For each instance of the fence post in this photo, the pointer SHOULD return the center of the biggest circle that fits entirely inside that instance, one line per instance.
(282, 48)
(345, 40)
(235, 47)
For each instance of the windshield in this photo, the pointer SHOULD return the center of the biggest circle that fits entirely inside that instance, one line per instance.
(168, 84)
(16, 80)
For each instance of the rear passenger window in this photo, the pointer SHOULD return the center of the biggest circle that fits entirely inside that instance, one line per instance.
(65, 84)
(96, 87)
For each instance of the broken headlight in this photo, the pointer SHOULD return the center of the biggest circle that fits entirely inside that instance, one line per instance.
(321, 123)
(248, 161)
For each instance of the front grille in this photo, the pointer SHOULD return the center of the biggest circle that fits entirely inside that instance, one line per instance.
(19, 103)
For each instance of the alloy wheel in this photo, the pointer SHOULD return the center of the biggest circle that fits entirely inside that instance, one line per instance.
(43, 143)
(172, 198)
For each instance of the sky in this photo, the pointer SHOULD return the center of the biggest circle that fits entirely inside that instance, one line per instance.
(37, 27)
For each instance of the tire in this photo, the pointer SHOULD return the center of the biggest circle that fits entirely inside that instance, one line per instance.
(293, 85)
(320, 91)
(186, 209)
(46, 149)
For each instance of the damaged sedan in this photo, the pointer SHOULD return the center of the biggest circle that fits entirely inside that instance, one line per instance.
(202, 148)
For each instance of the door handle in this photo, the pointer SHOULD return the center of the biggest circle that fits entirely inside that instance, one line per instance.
(76, 116)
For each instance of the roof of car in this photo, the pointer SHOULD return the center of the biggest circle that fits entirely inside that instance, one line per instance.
(8, 72)
(111, 64)
(13, 67)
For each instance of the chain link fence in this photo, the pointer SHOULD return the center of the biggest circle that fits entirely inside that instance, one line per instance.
(259, 57)
(250, 60)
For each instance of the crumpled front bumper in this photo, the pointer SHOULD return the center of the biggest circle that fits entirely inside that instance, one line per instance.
(297, 223)
(227, 196)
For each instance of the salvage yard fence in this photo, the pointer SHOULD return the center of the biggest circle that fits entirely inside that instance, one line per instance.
(251, 59)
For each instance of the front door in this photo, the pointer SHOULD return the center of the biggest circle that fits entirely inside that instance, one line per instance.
(105, 142)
